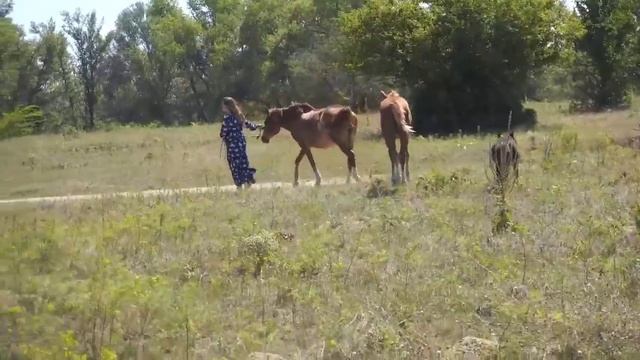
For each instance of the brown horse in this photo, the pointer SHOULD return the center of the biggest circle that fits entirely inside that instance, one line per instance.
(395, 122)
(316, 128)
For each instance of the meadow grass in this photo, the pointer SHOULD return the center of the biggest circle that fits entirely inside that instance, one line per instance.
(130, 159)
(346, 272)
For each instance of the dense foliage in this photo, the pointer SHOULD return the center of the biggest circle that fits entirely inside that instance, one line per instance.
(464, 63)
(468, 61)
(610, 56)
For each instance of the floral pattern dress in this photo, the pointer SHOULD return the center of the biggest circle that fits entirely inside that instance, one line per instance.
(231, 134)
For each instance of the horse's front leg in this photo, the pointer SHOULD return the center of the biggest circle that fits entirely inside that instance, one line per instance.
(298, 160)
(314, 167)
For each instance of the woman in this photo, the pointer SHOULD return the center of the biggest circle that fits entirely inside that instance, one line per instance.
(231, 134)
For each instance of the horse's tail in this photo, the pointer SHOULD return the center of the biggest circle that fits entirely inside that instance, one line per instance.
(408, 117)
(402, 117)
(353, 125)
(404, 122)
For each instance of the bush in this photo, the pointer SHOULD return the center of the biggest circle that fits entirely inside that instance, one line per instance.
(468, 61)
(379, 188)
(440, 183)
(568, 141)
(24, 121)
(256, 251)
(607, 54)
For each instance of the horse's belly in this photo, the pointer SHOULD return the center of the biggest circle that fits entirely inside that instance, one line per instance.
(324, 141)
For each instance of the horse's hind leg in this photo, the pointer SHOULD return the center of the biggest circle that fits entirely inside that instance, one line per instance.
(313, 166)
(393, 156)
(351, 163)
(404, 158)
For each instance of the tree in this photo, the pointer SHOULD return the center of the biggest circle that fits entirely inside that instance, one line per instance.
(290, 48)
(6, 7)
(608, 53)
(42, 67)
(12, 48)
(469, 61)
(90, 48)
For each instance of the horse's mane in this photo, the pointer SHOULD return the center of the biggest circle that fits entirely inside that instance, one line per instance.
(391, 93)
(305, 107)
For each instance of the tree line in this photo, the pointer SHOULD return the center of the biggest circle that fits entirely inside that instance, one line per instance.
(464, 63)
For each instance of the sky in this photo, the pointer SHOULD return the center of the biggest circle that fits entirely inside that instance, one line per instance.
(26, 11)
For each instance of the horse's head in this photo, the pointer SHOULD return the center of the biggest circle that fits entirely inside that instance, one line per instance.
(277, 118)
(272, 124)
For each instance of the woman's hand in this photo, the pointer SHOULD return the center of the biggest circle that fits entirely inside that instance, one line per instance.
(260, 128)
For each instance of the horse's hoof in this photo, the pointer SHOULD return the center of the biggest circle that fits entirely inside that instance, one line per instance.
(318, 183)
(296, 184)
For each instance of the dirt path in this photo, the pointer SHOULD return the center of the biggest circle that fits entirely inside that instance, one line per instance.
(160, 192)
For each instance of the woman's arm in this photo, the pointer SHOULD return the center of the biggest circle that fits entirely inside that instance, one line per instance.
(224, 128)
(251, 126)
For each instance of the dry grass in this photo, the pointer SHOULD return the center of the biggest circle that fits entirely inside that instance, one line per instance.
(332, 273)
(130, 159)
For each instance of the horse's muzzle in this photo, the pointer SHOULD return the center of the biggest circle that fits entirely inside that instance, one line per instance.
(265, 139)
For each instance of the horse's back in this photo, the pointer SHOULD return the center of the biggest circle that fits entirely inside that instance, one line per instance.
(394, 105)
(395, 115)
(313, 115)
(330, 125)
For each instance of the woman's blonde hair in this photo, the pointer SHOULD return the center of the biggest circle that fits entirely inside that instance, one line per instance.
(232, 105)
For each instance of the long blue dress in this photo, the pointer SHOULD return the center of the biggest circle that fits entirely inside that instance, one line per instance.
(231, 134)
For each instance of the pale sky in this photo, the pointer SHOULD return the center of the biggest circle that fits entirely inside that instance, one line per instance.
(26, 11)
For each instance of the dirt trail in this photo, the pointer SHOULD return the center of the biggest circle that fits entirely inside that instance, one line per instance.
(160, 192)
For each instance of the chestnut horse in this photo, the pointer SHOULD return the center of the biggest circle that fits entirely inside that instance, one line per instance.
(395, 122)
(315, 128)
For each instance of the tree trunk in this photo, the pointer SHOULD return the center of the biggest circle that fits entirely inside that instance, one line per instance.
(67, 89)
(201, 109)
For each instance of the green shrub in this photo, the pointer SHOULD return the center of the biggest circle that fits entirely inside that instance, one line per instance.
(568, 141)
(24, 121)
(257, 250)
(437, 182)
(379, 188)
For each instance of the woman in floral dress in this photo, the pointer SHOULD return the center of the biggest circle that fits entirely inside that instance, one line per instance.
(233, 137)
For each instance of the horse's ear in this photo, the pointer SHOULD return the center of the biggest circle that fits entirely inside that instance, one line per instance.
(384, 94)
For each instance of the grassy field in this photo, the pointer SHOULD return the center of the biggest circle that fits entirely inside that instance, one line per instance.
(129, 159)
(346, 272)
